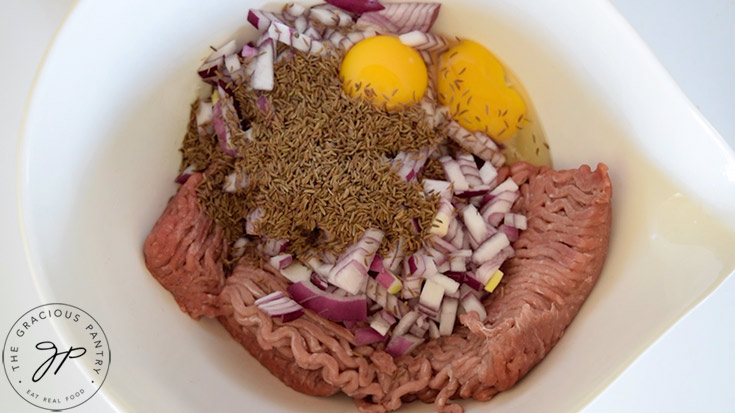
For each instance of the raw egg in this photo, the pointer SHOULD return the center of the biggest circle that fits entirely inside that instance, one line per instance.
(471, 83)
(385, 71)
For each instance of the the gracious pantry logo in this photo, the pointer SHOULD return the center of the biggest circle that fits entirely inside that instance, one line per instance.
(56, 356)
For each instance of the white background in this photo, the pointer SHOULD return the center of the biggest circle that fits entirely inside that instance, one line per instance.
(691, 368)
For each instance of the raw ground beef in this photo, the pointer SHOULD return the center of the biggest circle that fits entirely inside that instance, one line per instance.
(557, 262)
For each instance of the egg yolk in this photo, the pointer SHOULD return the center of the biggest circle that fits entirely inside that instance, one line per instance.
(471, 83)
(385, 71)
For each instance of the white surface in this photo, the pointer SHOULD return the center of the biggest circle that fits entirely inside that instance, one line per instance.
(662, 367)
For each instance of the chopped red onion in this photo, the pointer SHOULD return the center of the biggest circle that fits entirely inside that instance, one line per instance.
(431, 295)
(329, 305)
(515, 220)
(402, 17)
(471, 281)
(204, 113)
(367, 335)
(391, 283)
(507, 185)
(261, 71)
(318, 281)
(441, 188)
(433, 330)
(447, 316)
(475, 224)
(490, 248)
(470, 303)
(445, 213)
(273, 246)
(295, 272)
(350, 271)
(294, 10)
(357, 6)
(469, 169)
(487, 269)
(224, 50)
(488, 173)
(329, 15)
(424, 41)
(261, 19)
(405, 323)
(447, 283)
(281, 261)
(421, 325)
(393, 260)
(454, 174)
(510, 232)
(287, 35)
(402, 345)
(277, 304)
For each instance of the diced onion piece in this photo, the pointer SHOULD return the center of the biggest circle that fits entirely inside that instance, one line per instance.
(485, 271)
(224, 50)
(516, 220)
(296, 272)
(357, 6)
(454, 174)
(405, 323)
(261, 19)
(433, 330)
(448, 315)
(367, 335)
(432, 294)
(393, 259)
(494, 281)
(507, 185)
(282, 261)
(318, 281)
(447, 283)
(382, 321)
(329, 305)
(488, 173)
(511, 232)
(490, 248)
(273, 246)
(424, 41)
(204, 113)
(294, 9)
(402, 17)
(287, 35)
(469, 169)
(330, 16)
(474, 223)
(232, 63)
(277, 304)
(380, 325)
(470, 303)
(350, 271)
(440, 188)
(411, 288)
(471, 281)
(262, 67)
(444, 214)
(401, 345)
(391, 283)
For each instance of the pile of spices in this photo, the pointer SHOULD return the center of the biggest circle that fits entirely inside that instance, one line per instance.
(316, 163)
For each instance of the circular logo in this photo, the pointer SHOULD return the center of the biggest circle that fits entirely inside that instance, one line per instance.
(54, 372)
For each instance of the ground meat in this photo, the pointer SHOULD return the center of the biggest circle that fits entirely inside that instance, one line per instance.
(557, 262)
